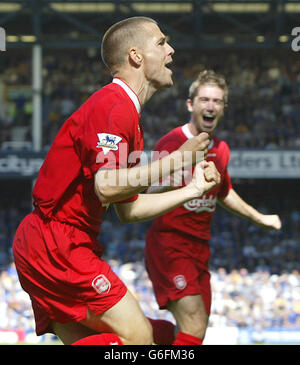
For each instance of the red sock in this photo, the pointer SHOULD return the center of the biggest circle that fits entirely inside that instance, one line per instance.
(186, 339)
(101, 339)
(163, 331)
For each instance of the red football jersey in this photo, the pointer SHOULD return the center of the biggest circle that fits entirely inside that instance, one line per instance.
(194, 217)
(102, 132)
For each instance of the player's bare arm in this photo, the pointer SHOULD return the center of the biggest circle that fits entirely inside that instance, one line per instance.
(175, 180)
(149, 206)
(119, 184)
(235, 204)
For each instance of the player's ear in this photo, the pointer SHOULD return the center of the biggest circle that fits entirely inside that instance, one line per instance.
(135, 57)
(189, 105)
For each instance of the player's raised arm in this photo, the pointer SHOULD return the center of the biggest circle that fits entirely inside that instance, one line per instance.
(235, 204)
(149, 206)
(113, 185)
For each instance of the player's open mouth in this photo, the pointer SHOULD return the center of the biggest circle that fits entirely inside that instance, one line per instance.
(208, 118)
(168, 64)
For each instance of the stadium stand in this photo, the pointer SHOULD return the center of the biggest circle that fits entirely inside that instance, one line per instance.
(248, 122)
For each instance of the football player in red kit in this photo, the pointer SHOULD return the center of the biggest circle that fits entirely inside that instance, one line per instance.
(74, 293)
(177, 244)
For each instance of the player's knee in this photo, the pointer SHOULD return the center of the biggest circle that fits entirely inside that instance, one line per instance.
(192, 321)
(195, 324)
(191, 316)
(140, 335)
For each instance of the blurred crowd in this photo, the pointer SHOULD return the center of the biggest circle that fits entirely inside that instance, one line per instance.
(257, 300)
(254, 301)
(264, 94)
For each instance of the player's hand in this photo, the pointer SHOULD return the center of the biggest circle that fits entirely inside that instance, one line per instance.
(195, 149)
(205, 177)
(211, 173)
(270, 222)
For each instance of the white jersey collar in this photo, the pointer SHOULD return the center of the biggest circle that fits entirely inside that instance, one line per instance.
(186, 131)
(129, 92)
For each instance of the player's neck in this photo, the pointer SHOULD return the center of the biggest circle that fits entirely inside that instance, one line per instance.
(144, 91)
(139, 86)
(193, 129)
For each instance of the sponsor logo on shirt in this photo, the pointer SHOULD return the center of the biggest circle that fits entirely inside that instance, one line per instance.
(101, 284)
(108, 142)
(179, 281)
(202, 204)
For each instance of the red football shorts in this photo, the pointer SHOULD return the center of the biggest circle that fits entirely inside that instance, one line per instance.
(177, 267)
(60, 267)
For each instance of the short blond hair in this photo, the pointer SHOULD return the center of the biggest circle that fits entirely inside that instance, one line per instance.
(118, 39)
(209, 77)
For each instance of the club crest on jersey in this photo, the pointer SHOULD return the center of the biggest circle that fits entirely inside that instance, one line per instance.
(101, 284)
(179, 281)
(108, 142)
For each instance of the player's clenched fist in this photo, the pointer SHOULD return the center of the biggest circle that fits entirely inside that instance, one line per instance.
(205, 177)
(270, 222)
(211, 173)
